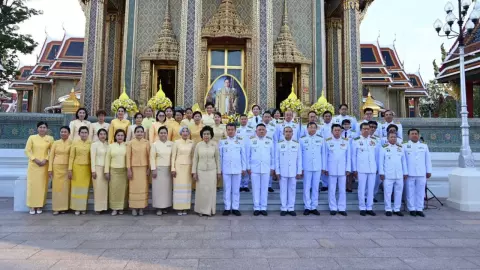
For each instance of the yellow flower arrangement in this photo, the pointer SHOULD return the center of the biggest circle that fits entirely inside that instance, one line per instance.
(292, 103)
(233, 118)
(126, 102)
(322, 105)
(160, 101)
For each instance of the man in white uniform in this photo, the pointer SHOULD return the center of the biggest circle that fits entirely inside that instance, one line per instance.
(364, 167)
(314, 163)
(419, 166)
(260, 166)
(373, 130)
(256, 118)
(312, 117)
(271, 132)
(338, 167)
(288, 167)
(245, 132)
(326, 132)
(287, 123)
(368, 117)
(342, 110)
(393, 171)
(234, 165)
(388, 116)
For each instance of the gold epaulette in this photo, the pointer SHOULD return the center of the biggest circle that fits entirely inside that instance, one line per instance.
(357, 138)
(268, 138)
(271, 124)
(399, 145)
(303, 136)
(295, 141)
(252, 137)
(318, 135)
(281, 141)
(329, 139)
(385, 145)
(239, 138)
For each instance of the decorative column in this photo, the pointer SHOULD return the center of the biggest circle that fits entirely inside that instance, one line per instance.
(334, 61)
(112, 58)
(469, 86)
(319, 68)
(19, 100)
(403, 105)
(93, 55)
(34, 107)
(351, 49)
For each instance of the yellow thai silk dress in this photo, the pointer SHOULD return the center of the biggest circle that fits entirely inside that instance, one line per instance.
(115, 125)
(160, 159)
(37, 147)
(75, 125)
(131, 132)
(138, 160)
(219, 132)
(147, 124)
(94, 128)
(115, 164)
(208, 119)
(98, 152)
(186, 122)
(58, 165)
(79, 164)
(195, 132)
(206, 164)
(174, 132)
(182, 153)
(153, 132)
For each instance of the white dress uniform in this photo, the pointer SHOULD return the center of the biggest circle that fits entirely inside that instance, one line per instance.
(288, 163)
(349, 134)
(399, 132)
(338, 163)
(293, 125)
(254, 121)
(364, 162)
(337, 119)
(271, 132)
(378, 132)
(260, 160)
(326, 132)
(377, 177)
(419, 164)
(245, 132)
(233, 162)
(393, 165)
(304, 130)
(313, 161)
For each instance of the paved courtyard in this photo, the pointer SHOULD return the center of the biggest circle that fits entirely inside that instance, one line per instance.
(445, 239)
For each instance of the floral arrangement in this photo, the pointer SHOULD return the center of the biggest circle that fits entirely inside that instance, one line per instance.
(160, 101)
(233, 118)
(126, 102)
(322, 105)
(292, 103)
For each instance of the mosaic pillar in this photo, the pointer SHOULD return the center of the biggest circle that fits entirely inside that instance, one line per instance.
(351, 49)
(334, 61)
(264, 94)
(93, 55)
(145, 82)
(128, 61)
(112, 58)
(19, 101)
(319, 66)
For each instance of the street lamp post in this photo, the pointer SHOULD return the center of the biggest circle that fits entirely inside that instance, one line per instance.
(465, 159)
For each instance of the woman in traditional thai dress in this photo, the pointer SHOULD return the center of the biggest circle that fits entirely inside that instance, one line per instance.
(276, 116)
(160, 161)
(206, 172)
(100, 184)
(79, 172)
(37, 149)
(148, 120)
(187, 120)
(119, 123)
(95, 127)
(196, 127)
(174, 127)
(116, 173)
(138, 171)
(131, 129)
(169, 113)
(81, 117)
(153, 132)
(58, 172)
(219, 129)
(182, 153)
(208, 117)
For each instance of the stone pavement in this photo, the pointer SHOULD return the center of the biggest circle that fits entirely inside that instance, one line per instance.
(445, 239)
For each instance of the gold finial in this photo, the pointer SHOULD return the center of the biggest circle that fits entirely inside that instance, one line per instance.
(370, 103)
(71, 104)
(124, 95)
(160, 93)
(292, 94)
(196, 108)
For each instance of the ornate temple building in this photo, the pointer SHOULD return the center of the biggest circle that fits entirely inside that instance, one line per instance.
(262, 47)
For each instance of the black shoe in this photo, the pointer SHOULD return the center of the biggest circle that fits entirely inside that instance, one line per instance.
(349, 190)
(420, 213)
(343, 213)
(363, 213)
(256, 213)
(371, 213)
(241, 189)
(400, 214)
(283, 213)
(236, 213)
(333, 213)
(270, 189)
(324, 189)
(306, 212)
(315, 212)
(413, 213)
(388, 213)
(292, 213)
(264, 213)
(226, 213)
(246, 189)
(375, 200)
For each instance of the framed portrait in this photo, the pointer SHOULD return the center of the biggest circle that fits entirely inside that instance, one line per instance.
(228, 95)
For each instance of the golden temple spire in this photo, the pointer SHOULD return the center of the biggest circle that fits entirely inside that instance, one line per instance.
(370, 103)
(160, 93)
(71, 104)
(226, 23)
(124, 95)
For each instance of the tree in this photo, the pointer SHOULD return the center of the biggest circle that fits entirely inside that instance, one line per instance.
(12, 43)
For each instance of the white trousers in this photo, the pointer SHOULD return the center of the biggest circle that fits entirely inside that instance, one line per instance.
(377, 186)
(416, 192)
(311, 182)
(324, 180)
(342, 195)
(366, 184)
(231, 191)
(245, 180)
(270, 181)
(260, 190)
(288, 190)
(397, 186)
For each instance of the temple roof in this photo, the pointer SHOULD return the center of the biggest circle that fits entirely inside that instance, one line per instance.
(395, 67)
(68, 62)
(21, 83)
(419, 89)
(285, 49)
(374, 70)
(226, 23)
(50, 49)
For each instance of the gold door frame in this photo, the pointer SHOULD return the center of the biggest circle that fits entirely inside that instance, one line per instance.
(155, 68)
(226, 66)
(294, 70)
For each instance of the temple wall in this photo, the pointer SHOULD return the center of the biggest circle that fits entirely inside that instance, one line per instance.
(379, 93)
(244, 10)
(394, 101)
(63, 88)
(45, 95)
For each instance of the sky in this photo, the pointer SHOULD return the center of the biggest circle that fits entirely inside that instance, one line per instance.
(409, 21)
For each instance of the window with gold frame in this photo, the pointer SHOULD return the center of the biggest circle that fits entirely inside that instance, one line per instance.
(226, 61)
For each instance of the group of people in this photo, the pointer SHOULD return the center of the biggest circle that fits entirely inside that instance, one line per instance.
(180, 151)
